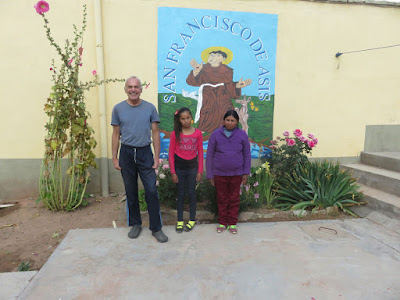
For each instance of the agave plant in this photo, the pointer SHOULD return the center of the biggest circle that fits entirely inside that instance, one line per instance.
(318, 185)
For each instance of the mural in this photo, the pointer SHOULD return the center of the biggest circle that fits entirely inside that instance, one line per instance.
(211, 61)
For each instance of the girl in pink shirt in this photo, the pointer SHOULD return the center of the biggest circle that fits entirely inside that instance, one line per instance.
(186, 163)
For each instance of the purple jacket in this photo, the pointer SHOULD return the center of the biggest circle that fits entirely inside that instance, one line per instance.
(228, 156)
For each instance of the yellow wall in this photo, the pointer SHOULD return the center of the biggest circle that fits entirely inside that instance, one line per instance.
(316, 92)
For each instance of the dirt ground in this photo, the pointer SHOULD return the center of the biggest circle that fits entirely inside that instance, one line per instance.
(30, 233)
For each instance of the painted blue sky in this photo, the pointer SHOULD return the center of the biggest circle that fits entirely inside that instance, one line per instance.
(233, 30)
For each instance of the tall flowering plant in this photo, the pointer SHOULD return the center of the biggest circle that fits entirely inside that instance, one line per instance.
(264, 184)
(62, 185)
(289, 151)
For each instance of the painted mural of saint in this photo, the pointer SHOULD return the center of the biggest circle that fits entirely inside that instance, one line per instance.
(216, 87)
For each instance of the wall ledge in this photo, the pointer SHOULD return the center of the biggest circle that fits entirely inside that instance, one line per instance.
(367, 2)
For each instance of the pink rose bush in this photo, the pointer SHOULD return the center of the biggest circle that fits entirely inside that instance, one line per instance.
(287, 153)
(166, 187)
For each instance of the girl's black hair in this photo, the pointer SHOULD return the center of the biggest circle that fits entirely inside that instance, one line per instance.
(177, 122)
(232, 113)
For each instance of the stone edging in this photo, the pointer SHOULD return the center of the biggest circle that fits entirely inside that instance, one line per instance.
(206, 216)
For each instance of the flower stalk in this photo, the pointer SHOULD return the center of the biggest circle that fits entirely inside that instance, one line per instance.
(69, 142)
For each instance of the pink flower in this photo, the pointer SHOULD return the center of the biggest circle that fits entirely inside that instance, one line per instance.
(80, 50)
(255, 184)
(315, 140)
(272, 147)
(80, 64)
(165, 167)
(70, 61)
(273, 142)
(51, 69)
(41, 7)
(256, 196)
(302, 138)
(240, 191)
(157, 182)
(310, 135)
(247, 187)
(286, 133)
(297, 132)
(94, 72)
(291, 142)
(278, 138)
(310, 143)
(160, 161)
(156, 171)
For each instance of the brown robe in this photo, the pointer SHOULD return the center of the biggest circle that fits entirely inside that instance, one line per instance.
(216, 100)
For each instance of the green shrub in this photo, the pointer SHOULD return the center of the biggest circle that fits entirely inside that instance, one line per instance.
(249, 199)
(206, 193)
(167, 190)
(142, 201)
(318, 185)
(24, 266)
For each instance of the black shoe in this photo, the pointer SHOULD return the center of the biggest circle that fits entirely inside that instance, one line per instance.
(160, 236)
(135, 231)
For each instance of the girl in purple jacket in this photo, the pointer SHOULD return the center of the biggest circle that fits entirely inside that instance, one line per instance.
(228, 163)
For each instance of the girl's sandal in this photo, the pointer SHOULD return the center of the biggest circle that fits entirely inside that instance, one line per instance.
(232, 229)
(179, 227)
(221, 228)
(189, 226)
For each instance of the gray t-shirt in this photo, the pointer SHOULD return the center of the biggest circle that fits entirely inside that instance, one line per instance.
(135, 122)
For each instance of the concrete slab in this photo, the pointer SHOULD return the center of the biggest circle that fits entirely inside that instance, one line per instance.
(330, 259)
(12, 284)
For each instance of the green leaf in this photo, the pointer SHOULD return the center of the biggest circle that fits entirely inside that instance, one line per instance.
(76, 129)
(69, 171)
(54, 145)
(92, 142)
(47, 108)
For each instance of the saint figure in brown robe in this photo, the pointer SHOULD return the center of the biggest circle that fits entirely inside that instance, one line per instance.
(216, 91)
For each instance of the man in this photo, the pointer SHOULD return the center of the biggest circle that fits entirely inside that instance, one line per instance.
(216, 89)
(135, 121)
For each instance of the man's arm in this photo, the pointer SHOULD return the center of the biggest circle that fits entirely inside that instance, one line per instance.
(115, 146)
(156, 143)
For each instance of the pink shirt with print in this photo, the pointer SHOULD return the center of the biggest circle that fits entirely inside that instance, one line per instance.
(189, 147)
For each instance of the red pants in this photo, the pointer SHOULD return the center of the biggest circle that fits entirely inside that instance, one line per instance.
(228, 198)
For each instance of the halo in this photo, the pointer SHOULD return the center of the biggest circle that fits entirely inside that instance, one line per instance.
(205, 53)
